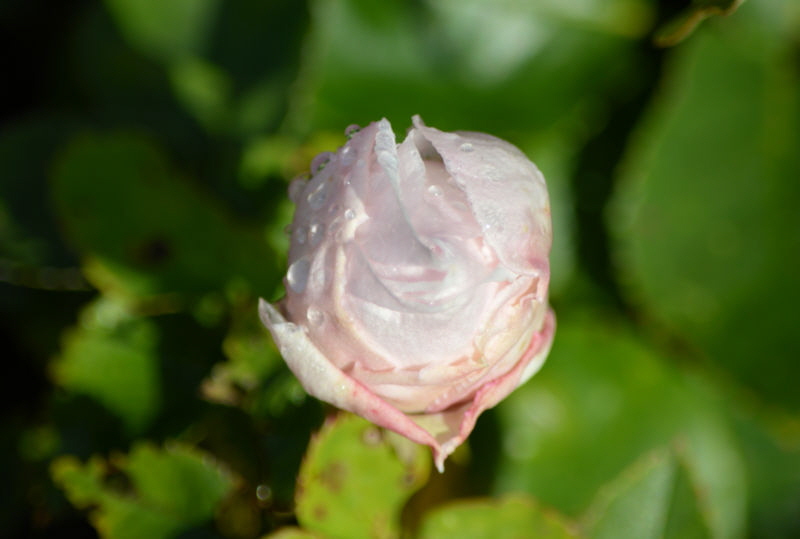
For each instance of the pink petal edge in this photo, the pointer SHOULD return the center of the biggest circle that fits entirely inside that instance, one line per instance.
(326, 382)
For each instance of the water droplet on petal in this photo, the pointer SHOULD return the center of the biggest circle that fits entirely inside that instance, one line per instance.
(466, 147)
(299, 235)
(351, 130)
(297, 276)
(296, 188)
(435, 190)
(315, 233)
(319, 162)
(315, 316)
(317, 197)
(349, 214)
(347, 155)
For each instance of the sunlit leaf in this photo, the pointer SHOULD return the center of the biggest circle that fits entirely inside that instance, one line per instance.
(204, 89)
(165, 30)
(479, 65)
(603, 399)
(706, 223)
(687, 21)
(111, 356)
(356, 478)
(504, 518)
(293, 533)
(171, 490)
(653, 498)
(144, 230)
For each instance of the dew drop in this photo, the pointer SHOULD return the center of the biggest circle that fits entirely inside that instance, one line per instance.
(263, 493)
(315, 233)
(317, 197)
(435, 191)
(315, 316)
(351, 130)
(347, 155)
(296, 188)
(297, 276)
(466, 147)
(349, 214)
(299, 235)
(319, 162)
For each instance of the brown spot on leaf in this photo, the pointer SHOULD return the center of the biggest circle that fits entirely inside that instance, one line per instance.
(372, 436)
(333, 476)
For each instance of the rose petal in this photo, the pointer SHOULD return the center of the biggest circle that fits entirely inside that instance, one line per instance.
(506, 191)
(443, 431)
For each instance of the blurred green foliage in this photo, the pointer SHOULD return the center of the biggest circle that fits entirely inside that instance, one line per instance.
(169, 490)
(145, 151)
(508, 517)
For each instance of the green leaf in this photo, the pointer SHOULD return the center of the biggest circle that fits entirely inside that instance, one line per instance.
(482, 65)
(654, 498)
(165, 30)
(705, 217)
(680, 27)
(204, 89)
(603, 399)
(82, 482)
(356, 478)
(145, 231)
(292, 533)
(111, 356)
(770, 442)
(179, 480)
(254, 376)
(507, 517)
(172, 490)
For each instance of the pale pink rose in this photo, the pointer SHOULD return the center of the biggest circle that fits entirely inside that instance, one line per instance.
(416, 295)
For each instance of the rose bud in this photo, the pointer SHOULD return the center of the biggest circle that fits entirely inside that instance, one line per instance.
(416, 295)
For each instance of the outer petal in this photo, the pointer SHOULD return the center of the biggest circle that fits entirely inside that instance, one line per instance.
(506, 191)
(326, 382)
(453, 425)
(443, 431)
